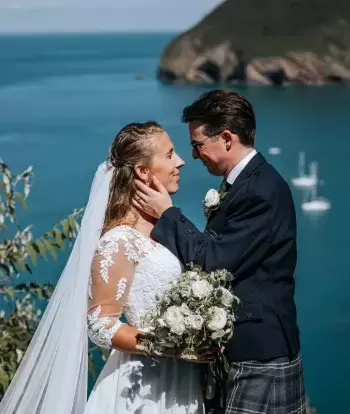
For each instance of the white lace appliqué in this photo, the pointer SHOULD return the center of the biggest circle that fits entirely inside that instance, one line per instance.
(121, 288)
(155, 267)
(136, 246)
(90, 286)
(98, 331)
(106, 248)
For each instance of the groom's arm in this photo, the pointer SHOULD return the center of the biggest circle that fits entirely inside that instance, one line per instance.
(246, 234)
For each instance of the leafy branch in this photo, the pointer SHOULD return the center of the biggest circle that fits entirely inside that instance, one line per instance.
(18, 253)
(15, 251)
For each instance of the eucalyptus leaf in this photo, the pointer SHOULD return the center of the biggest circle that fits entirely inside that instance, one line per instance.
(42, 249)
(50, 248)
(32, 253)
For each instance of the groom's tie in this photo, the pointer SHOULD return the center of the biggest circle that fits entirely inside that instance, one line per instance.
(224, 186)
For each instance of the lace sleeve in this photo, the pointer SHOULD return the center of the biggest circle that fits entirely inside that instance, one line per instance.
(111, 277)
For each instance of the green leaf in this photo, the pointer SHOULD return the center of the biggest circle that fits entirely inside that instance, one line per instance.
(32, 253)
(5, 269)
(10, 293)
(28, 171)
(41, 248)
(50, 248)
(4, 379)
(40, 293)
(35, 247)
(59, 239)
(21, 264)
(20, 198)
(28, 268)
(72, 223)
(65, 226)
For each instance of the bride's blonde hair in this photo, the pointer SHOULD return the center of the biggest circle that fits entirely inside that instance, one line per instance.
(133, 145)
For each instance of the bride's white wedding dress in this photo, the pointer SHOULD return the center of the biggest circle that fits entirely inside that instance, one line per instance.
(128, 270)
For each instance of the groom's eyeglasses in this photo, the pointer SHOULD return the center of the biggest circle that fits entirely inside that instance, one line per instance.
(196, 145)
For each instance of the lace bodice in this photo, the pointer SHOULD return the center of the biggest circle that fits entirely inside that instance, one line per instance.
(128, 271)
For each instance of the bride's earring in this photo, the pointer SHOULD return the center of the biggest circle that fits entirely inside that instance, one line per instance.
(147, 183)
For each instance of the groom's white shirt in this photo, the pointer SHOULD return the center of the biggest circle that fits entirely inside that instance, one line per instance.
(231, 178)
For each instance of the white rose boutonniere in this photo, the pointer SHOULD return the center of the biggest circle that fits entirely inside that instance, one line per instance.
(212, 201)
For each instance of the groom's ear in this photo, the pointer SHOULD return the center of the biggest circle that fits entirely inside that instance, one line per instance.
(141, 172)
(229, 138)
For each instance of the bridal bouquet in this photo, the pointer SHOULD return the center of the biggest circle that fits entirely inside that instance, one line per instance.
(198, 310)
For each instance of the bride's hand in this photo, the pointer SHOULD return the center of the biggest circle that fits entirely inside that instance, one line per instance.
(150, 201)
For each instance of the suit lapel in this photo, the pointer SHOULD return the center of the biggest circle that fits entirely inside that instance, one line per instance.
(219, 215)
(252, 165)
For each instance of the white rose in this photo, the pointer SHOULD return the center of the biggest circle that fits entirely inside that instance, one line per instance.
(212, 199)
(217, 318)
(192, 274)
(218, 334)
(195, 322)
(226, 298)
(185, 310)
(175, 320)
(201, 289)
(186, 291)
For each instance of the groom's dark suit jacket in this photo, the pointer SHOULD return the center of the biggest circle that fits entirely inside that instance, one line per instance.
(253, 235)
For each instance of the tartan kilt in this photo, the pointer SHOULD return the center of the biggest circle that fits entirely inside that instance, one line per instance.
(273, 387)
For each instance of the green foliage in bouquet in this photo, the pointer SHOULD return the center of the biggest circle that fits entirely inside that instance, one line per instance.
(198, 310)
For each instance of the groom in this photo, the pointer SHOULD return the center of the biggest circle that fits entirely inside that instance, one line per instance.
(251, 233)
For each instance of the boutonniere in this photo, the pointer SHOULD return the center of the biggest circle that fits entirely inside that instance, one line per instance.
(212, 201)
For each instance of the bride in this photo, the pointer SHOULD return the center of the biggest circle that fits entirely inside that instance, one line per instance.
(115, 268)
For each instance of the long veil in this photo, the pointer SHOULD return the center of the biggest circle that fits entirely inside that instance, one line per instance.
(52, 377)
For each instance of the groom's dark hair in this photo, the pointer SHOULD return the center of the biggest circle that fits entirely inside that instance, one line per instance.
(222, 109)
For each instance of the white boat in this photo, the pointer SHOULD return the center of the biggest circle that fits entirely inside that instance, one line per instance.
(305, 180)
(275, 150)
(316, 203)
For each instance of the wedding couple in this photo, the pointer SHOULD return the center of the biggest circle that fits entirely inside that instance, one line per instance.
(133, 243)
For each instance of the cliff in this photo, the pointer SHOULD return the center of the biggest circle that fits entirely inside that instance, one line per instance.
(264, 42)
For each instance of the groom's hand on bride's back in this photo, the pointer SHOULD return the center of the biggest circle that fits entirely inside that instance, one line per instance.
(152, 201)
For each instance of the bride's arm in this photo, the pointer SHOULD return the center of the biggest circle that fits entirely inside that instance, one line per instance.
(111, 277)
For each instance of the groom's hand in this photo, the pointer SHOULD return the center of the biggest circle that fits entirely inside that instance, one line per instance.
(152, 201)
(205, 355)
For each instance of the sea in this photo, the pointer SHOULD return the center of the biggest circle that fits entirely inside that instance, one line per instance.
(63, 98)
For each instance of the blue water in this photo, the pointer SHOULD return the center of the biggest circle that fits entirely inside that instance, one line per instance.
(63, 99)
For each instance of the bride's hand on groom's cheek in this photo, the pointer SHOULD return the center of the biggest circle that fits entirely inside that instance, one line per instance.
(152, 201)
